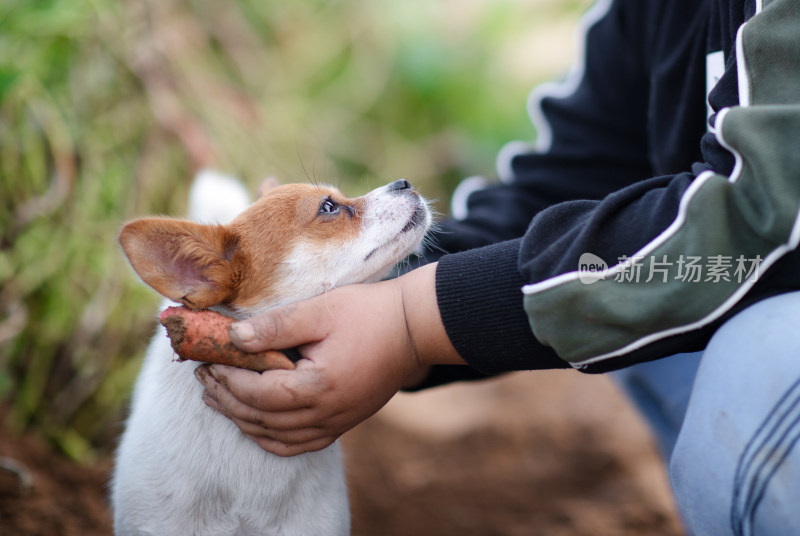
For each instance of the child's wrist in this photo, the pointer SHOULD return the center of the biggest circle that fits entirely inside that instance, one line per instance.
(426, 332)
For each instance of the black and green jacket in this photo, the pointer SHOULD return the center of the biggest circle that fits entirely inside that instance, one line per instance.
(661, 197)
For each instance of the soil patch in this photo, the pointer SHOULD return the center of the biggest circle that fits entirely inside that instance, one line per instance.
(553, 453)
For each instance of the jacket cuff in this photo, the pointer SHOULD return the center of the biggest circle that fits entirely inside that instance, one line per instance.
(481, 302)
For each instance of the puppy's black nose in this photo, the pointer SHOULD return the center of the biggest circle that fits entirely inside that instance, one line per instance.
(401, 184)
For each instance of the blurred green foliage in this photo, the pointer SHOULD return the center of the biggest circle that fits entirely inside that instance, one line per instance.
(107, 108)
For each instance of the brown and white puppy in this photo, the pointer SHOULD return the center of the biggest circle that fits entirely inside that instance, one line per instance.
(184, 469)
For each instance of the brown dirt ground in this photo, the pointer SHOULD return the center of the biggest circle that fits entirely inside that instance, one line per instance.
(555, 453)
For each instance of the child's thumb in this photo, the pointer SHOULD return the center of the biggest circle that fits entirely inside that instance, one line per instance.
(278, 329)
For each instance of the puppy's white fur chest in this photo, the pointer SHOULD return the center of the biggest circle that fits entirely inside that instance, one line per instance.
(185, 469)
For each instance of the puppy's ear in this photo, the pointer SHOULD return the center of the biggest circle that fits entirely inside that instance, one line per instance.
(187, 262)
(268, 184)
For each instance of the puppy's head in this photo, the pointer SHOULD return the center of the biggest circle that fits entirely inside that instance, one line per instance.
(294, 242)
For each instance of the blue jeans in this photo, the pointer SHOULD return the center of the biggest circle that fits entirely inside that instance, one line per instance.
(728, 420)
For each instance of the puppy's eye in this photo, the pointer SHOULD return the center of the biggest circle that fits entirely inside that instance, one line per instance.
(329, 206)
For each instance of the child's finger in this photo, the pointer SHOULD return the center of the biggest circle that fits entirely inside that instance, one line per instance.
(286, 327)
(272, 391)
(281, 449)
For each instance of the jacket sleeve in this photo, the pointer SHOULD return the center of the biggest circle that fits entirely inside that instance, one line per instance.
(673, 256)
(589, 143)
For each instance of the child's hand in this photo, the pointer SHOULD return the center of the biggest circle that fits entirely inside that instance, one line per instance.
(360, 344)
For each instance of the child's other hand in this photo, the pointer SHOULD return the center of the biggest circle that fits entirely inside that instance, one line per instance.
(359, 343)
